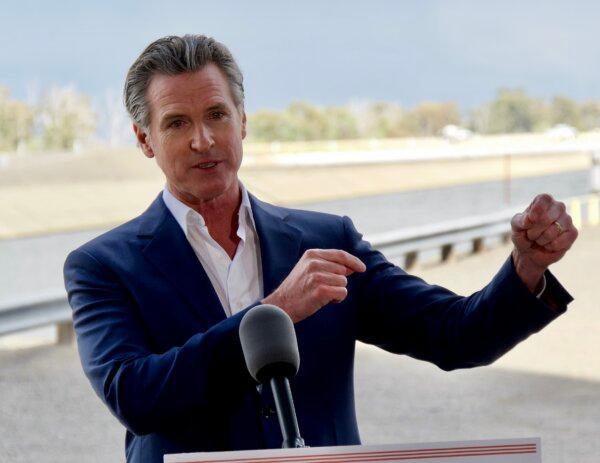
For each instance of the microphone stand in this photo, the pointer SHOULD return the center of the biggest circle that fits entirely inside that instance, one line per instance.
(286, 413)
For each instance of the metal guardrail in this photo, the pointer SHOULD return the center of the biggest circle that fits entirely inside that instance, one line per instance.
(406, 243)
(410, 242)
(47, 309)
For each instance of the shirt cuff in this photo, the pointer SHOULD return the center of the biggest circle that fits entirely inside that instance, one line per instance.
(539, 295)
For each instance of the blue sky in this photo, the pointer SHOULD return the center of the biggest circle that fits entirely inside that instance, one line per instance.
(325, 52)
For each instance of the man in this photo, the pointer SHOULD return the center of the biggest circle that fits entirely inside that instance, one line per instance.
(157, 302)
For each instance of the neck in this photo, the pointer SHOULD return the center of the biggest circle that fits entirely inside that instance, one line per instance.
(220, 215)
(212, 209)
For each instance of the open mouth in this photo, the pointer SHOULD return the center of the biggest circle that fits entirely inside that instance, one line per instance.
(206, 165)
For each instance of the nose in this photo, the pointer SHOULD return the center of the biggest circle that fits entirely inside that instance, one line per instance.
(202, 139)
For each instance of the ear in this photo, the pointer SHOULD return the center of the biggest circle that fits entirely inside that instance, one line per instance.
(142, 138)
(243, 124)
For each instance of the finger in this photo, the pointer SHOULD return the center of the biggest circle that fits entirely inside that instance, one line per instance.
(540, 204)
(541, 221)
(553, 213)
(520, 240)
(553, 230)
(536, 209)
(520, 222)
(330, 267)
(342, 257)
(328, 279)
(563, 242)
(327, 294)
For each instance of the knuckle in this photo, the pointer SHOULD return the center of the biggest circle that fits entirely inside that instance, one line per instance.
(569, 221)
(548, 234)
(339, 254)
(320, 292)
(340, 269)
(309, 253)
(562, 207)
(311, 265)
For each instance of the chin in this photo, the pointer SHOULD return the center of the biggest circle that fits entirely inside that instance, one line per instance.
(209, 193)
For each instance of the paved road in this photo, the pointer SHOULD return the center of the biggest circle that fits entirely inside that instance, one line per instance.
(34, 265)
(549, 386)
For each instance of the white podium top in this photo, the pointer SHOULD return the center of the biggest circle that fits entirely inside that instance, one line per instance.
(482, 451)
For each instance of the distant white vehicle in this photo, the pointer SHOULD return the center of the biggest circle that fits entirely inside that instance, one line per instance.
(561, 132)
(454, 133)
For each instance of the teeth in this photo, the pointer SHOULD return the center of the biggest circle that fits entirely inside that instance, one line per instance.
(207, 165)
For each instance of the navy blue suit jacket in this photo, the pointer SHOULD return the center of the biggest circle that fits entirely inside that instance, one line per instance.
(159, 351)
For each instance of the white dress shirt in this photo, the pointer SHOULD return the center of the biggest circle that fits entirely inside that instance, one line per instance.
(238, 282)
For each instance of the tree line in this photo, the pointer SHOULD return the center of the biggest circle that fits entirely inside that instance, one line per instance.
(62, 117)
(511, 111)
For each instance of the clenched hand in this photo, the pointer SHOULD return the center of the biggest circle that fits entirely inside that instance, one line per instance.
(542, 234)
(317, 279)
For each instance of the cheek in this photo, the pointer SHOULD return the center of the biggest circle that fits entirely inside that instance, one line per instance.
(171, 156)
(230, 148)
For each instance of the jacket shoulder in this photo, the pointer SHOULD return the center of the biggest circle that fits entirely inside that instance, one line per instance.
(301, 217)
(112, 239)
(122, 239)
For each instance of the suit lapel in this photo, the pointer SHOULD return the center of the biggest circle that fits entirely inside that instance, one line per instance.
(279, 243)
(169, 251)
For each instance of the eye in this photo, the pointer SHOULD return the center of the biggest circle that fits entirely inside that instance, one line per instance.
(217, 115)
(177, 124)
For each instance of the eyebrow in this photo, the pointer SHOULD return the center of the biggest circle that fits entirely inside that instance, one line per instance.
(220, 106)
(168, 117)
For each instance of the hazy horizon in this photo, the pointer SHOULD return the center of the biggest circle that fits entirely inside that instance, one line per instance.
(327, 54)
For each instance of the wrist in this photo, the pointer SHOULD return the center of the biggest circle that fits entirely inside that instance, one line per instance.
(277, 300)
(529, 273)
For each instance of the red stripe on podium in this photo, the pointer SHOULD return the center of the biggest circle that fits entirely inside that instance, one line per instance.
(390, 455)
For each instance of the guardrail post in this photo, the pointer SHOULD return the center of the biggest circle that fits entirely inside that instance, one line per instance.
(65, 333)
(410, 260)
(447, 252)
(477, 245)
(595, 172)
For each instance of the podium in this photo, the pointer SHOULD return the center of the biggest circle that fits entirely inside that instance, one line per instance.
(480, 451)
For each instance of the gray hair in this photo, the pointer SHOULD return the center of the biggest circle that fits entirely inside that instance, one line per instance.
(173, 55)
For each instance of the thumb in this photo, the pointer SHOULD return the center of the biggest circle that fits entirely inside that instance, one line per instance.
(520, 240)
(521, 221)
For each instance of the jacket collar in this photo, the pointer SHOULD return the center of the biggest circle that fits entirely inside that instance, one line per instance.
(280, 242)
(169, 250)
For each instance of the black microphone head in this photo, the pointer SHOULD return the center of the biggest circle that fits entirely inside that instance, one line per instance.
(269, 343)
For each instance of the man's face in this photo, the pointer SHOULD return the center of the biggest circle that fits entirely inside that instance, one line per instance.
(195, 134)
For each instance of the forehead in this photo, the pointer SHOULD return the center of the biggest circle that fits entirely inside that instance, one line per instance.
(205, 87)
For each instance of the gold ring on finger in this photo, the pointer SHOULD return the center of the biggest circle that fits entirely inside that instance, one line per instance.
(559, 227)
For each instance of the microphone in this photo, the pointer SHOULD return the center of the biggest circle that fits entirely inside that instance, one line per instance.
(271, 352)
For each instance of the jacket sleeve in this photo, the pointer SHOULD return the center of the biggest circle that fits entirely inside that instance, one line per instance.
(146, 390)
(403, 314)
